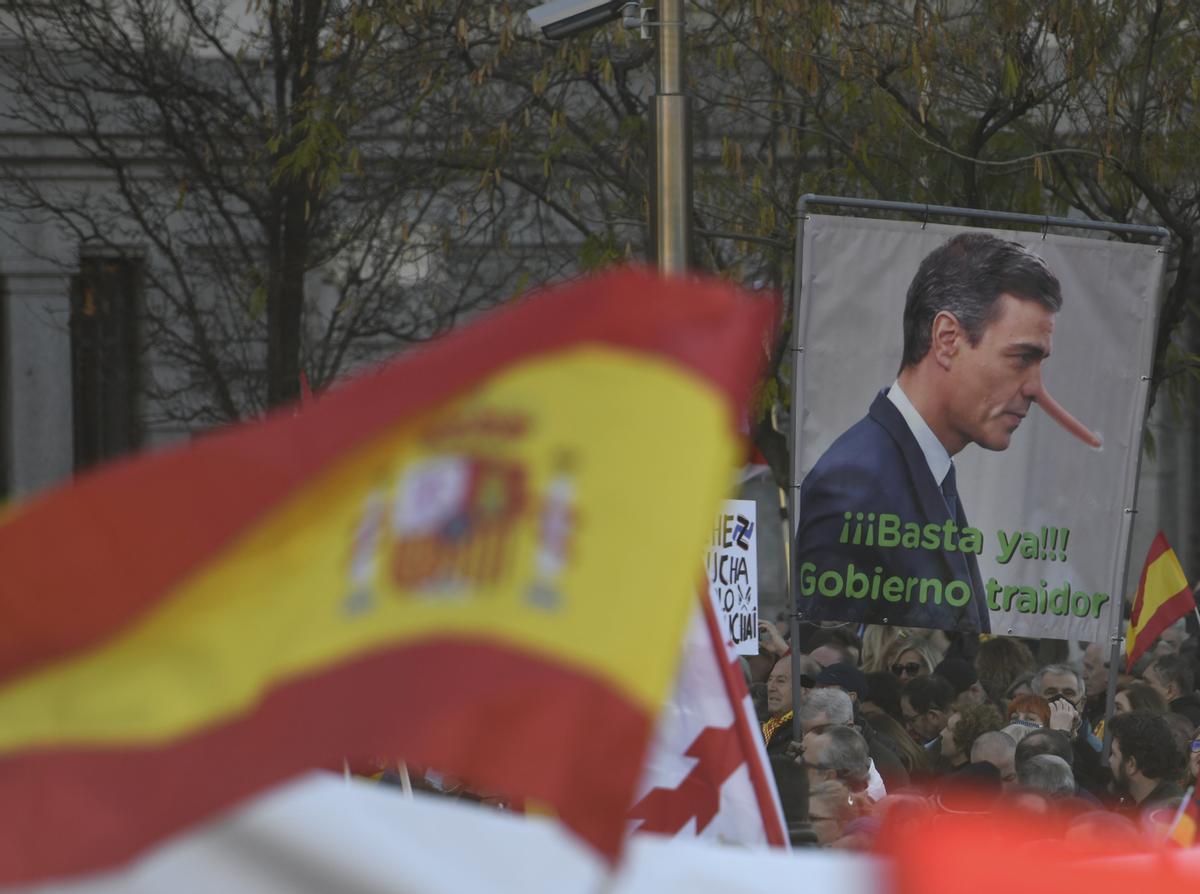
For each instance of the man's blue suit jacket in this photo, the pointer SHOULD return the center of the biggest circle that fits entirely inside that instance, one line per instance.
(877, 466)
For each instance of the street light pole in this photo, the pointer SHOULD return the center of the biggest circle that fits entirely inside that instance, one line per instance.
(672, 161)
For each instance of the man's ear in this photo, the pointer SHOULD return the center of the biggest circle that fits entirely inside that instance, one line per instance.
(1132, 761)
(946, 338)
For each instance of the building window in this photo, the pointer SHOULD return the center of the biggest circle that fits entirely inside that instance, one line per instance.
(105, 358)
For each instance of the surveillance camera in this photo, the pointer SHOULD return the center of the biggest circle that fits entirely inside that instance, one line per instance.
(564, 18)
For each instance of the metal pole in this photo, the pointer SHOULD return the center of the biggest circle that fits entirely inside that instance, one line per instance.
(673, 199)
(1045, 221)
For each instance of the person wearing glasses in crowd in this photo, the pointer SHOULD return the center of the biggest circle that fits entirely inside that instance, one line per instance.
(912, 657)
(926, 704)
(827, 707)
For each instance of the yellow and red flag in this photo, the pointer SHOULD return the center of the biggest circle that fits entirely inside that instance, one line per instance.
(480, 559)
(1163, 597)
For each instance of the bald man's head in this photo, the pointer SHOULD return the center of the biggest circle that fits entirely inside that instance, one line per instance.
(1000, 750)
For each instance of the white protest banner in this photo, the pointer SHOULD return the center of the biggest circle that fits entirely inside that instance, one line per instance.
(968, 503)
(732, 566)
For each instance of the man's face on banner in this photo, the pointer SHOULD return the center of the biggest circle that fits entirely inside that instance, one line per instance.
(996, 380)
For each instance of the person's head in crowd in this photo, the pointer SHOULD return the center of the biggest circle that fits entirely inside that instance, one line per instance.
(845, 677)
(997, 748)
(1171, 676)
(839, 752)
(830, 808)
(1170, 640)
(1045, 741)
(791, 781)
(962, 676)
(1145, 758)
(1061, 684)
(1017, 731)
(999, 662)
(926, 702)
(1181, 727)
(883, 694)
(779, 687)
(899, 740)
(825, 708)
(1059, 681)
(973, 788)
(833, 645)
(1095, 667)
(963, 727)
(1048, 774)
(1022, 685)
(1140, 697)
(758, 667)
(913, 657)
(1029, 710)
(877, 641)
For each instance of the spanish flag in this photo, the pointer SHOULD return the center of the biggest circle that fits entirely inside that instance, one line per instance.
(1163, 597)
(480, 558)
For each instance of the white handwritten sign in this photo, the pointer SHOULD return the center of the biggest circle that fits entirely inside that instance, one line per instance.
(732, 566)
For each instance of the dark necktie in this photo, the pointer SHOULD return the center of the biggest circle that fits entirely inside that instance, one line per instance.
(950, 493)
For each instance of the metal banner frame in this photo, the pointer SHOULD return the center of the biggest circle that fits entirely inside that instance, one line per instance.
(921, 211)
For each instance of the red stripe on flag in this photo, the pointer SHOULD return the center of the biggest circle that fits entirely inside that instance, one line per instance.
(58, 815)
(137, 527)
(750, 740)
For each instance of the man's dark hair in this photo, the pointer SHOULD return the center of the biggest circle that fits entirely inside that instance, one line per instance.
(1175, 669)
(1045, 741)
(965, 277)
(1148, 739)
(930, 691)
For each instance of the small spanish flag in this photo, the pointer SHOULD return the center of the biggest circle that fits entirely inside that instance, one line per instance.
(1163, 597)
(1186, 831)
(479, 559)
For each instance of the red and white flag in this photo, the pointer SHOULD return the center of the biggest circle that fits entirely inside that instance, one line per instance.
(706, 774)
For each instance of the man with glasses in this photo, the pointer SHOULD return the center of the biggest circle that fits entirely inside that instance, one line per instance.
(837, 752)
(828, 707)
(926, 703)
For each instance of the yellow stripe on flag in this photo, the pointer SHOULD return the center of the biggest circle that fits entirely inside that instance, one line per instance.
(1164, 579)
(1163, 597)
(313, 583)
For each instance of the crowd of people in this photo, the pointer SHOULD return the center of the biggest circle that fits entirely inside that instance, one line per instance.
(904, 715)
